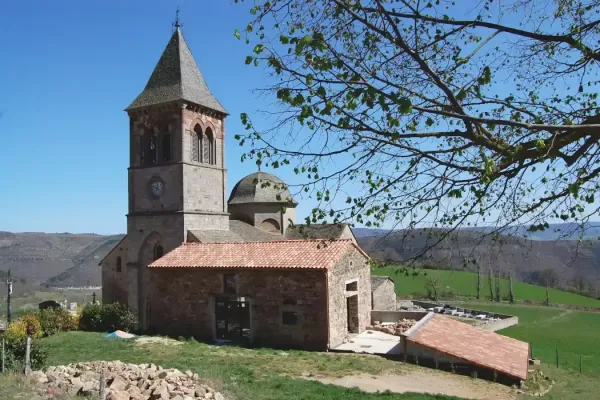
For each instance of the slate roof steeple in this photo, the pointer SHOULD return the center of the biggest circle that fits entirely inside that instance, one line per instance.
(176, 77)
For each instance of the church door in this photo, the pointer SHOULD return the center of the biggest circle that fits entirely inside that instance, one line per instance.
(232, 319)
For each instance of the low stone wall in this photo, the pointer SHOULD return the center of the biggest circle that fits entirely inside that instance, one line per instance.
(494, 326)
(394, 316)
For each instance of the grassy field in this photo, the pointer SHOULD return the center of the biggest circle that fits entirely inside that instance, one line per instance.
(464, 284)
(264, 374)
(573, 333)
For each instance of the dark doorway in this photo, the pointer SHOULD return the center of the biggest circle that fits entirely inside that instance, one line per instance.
(232, 317)
(352, 308)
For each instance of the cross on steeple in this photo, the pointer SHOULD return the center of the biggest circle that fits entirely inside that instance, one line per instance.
(176, 24)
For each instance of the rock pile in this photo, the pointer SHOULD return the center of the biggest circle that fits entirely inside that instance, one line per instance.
(122, 382)
(397, 328)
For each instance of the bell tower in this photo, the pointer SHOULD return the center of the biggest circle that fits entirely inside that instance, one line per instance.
(177, 176)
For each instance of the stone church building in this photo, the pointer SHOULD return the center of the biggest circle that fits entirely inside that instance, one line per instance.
(196, 263)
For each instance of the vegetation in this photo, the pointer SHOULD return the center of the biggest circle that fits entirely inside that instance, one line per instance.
(572, 333)
(440, 111)
(106, 318)
(15, 341)
(462, 284)
(54, 320)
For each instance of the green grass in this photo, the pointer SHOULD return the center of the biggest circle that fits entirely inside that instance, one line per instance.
(263, 374)
(464, 284)
(573, 333)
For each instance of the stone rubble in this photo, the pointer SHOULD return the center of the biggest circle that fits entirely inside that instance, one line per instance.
(398, 328)
(122, 382)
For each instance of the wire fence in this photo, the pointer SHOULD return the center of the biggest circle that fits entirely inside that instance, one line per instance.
(585, 364)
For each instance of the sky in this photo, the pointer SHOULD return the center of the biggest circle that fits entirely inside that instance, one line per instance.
(68, 69)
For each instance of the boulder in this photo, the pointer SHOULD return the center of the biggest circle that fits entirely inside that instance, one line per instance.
(118, 395)
(118, 384)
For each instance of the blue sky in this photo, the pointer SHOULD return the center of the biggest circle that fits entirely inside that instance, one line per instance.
(68, 70)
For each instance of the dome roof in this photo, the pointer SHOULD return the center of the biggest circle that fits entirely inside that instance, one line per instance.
(260, 187)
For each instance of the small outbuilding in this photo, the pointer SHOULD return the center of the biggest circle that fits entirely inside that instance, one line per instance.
(383, 293)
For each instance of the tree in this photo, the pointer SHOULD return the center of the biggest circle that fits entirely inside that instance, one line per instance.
(432, 285)
(580, 283)
(432, 113)
(550, 280)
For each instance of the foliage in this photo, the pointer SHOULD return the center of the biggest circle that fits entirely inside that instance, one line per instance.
(15, 341)
(432, 113)
(54, 320)
(432, 285)
(17, 330)
(106, 318)
(464, 284)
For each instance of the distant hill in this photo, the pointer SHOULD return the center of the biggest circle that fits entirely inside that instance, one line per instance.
(65, 259)
(465, 250)
(38, 258)
(565, 231)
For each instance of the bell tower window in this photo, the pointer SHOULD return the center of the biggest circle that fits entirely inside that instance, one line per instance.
(158, 252)
(209, 157)
(166, 147)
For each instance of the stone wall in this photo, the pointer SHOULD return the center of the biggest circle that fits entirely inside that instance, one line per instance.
(384, 297)
(182, 304)
(352, 266)
(140, 195)
(114, 282)
(394, 316)
(256, 214)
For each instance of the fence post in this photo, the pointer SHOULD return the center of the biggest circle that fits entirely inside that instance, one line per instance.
(556, 358)
(102, 385)
(28, 356)
(580, 364)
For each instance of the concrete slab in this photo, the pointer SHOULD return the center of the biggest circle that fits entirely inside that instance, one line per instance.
(372, 342)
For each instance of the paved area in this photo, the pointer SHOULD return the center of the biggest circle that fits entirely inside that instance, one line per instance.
(372, 342)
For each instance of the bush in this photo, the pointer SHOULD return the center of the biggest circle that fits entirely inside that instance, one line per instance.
(15, 355)
(54, 320)
(16, 341)
(17, 330)
(106, 318)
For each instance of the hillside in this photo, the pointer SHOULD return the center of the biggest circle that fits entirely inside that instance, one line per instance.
(462, 284)
(40, 257)
(464, 250)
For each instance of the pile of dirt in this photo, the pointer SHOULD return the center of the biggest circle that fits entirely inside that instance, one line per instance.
(122, 382)
(397, 328)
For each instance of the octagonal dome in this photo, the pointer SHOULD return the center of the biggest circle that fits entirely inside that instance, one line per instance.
(260, 187)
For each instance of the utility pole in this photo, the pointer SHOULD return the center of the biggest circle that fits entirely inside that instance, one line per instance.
(9, 283)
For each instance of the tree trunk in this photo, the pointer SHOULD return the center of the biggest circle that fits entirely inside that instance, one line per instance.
(497, 282)
(478, 282)
(490, 284)
(511, 293)
(547, 294)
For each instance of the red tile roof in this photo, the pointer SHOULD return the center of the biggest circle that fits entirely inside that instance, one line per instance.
(474, 345)
(318, 254)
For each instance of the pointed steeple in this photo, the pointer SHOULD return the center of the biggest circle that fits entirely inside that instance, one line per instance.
(176, 77)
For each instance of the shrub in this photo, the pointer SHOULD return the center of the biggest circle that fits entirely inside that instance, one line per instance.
(15, 355)
(54, 320)
(17, 330)
(16, 338)
(106, 318)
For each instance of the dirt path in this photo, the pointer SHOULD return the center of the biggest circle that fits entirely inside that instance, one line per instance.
(431, 382)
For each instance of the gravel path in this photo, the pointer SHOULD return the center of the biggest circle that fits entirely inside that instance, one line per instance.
(426, 382)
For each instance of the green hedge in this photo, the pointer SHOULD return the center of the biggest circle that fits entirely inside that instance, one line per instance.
(106, 318)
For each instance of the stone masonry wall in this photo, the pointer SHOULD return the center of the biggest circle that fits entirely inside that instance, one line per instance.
(338, 276)
(114, 283)
(384, 297)
(182, 304)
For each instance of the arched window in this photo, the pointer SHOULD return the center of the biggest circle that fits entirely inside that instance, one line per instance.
(209, 151)
(270, 225)
(152, 149)
(119, 264)
(205, 148)
(197, 143)
(166, 147)
(158, 252)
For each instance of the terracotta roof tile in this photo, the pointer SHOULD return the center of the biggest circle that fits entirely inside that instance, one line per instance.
(486, 349)
(316, 254)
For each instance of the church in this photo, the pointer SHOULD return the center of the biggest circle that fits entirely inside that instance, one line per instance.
(198, 263)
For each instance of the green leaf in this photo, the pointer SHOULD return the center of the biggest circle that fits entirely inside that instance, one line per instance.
(236, 34)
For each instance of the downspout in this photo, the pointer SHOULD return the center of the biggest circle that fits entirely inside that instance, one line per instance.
(327, 304)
